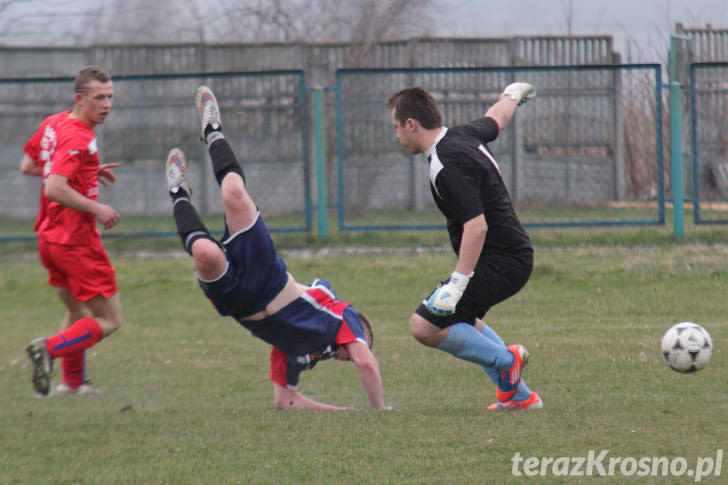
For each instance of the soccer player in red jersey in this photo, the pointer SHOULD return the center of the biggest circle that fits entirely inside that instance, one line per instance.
(64, 152)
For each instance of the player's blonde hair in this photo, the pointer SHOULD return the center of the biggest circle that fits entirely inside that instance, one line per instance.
(88, 74)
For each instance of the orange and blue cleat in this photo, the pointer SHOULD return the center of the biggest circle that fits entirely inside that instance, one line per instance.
(508, 379)
(533, 402)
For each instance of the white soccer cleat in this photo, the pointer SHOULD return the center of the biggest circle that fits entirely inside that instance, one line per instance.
(64, 389)
(209, 111)
(177, 171)
(85, 389)
(520, 92)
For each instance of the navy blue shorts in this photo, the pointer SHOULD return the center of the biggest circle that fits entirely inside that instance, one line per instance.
(254, 276)
(497, 277)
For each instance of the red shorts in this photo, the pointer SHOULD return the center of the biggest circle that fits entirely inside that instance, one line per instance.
(84, 270)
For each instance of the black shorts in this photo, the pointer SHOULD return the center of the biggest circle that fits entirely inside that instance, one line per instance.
(497, 277)
(254, 276)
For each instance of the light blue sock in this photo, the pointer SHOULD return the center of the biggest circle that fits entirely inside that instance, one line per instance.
(465, 342)
(523, 391)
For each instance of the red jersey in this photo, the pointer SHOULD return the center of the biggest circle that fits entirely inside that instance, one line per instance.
(66, 146)
(39, 148)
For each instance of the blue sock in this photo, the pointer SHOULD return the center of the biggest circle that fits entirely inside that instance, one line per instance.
(523, 391)
(465, 342)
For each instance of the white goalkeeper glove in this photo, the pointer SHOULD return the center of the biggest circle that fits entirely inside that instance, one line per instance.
(519, 92)
(446, 297)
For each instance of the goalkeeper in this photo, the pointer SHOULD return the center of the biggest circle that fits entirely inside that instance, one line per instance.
(494, 253)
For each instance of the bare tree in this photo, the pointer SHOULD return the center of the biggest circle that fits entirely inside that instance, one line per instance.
(24, 21)
(317, 20)
(74, 22)
(144, 22)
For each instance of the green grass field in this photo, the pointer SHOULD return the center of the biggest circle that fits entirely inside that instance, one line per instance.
(187, 397)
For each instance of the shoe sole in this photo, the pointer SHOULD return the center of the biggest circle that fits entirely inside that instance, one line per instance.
(41, 375)
(63, 391)
(198, 103)
(183, 162)
(83, 390)
(88, 391)
(517, 407)
(534, 406)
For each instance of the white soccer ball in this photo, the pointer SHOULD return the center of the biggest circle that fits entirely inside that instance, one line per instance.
(686, 347)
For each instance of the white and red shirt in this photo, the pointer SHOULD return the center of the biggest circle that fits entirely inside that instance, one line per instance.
(309, 329)
(66, 146)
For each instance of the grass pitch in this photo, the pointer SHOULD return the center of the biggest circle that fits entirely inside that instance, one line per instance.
(187, 397)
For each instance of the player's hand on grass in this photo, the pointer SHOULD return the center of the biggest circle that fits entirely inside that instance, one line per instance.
(519, 92)
(446, 297)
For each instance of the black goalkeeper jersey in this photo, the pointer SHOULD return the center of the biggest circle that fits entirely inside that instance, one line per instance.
(465, 181)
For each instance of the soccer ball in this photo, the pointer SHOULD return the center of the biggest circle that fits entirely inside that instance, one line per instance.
(686, 347)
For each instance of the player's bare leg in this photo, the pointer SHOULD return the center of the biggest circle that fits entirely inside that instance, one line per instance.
(107, 312)
(240, 211)
(75, 310)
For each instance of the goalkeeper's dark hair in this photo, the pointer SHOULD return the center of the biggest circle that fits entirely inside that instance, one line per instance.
(367, 328)
(88, 74)
(418, 104)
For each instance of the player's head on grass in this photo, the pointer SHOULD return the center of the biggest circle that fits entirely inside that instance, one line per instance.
(343, 353)
(368, 332)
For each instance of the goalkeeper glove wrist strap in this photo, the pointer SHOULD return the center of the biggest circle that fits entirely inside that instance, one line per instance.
(460, 280)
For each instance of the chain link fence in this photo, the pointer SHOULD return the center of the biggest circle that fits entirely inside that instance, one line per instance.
(588, 150)
(264, 115)
(709, 141)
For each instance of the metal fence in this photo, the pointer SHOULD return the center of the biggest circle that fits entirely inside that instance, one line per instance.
(264, 114)
(588, 150)
(707, 44)
(318, 60)
(709, 141)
